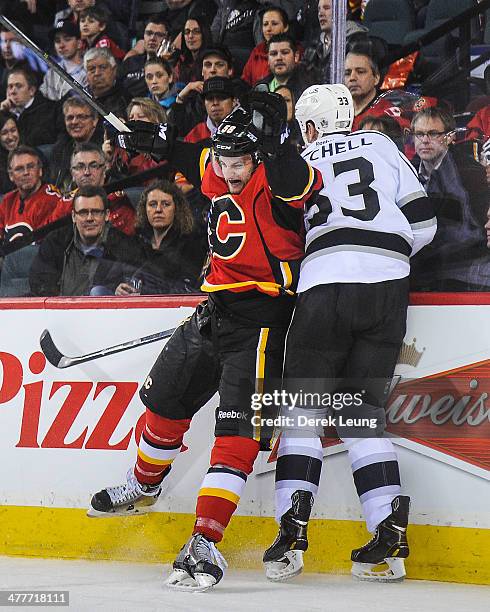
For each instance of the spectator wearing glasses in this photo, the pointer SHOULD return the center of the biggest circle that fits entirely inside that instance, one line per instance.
(179, 11)
(89, 168)
(33, 203)
(196, 36)
(81, 124)
(73, 260)
(132, 69)
(101, 69)
(457, 186)
(68, 46)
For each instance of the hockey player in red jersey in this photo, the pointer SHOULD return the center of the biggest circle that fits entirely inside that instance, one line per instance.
(33, 203)
(233, 343)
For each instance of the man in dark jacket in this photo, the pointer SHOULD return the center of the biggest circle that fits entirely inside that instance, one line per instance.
(101, 68)
(37, 116)
(189, 108)
(82, 125)
(179, 11)
(458, 188)
(283, 57)
(132, 70)
(316, 58)
(77, 260)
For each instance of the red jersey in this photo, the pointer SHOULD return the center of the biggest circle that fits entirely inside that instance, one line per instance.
(199, 132)
(402, 115)
(379, 107)
(21, 216)
(257, 66)
(256, 238)
(122, 215)
(104, 42)
(479, 125)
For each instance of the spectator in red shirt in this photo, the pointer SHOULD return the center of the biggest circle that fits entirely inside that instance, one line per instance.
(32, 204)
(274, 21)
(479, 126)
(93, 23)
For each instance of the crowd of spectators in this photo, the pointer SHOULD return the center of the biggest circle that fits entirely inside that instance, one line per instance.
(134, 225)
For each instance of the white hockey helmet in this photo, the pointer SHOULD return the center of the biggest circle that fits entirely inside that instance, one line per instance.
(329, 107)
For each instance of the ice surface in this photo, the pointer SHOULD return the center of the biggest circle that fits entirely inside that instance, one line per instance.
(96, 585)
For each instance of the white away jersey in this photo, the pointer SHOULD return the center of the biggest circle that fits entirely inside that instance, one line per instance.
(371, 215)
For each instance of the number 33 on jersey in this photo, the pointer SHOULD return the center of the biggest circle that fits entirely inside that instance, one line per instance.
(371, 216)
(256, 237)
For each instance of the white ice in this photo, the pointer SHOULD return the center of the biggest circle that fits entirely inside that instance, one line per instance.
(121, 587)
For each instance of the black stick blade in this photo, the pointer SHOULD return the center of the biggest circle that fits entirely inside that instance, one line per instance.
(48, 347)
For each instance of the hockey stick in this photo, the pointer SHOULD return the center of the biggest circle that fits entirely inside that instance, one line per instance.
(56, 357)
(81, 91)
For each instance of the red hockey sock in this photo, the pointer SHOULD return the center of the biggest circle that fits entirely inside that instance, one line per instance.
(160, 443)
(232, 460)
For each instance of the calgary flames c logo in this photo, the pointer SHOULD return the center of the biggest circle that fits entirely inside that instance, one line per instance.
(226, 213)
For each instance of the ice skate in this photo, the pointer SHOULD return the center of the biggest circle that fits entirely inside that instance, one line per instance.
(381, 559)
(129, 499)
(199, 566)
(284, 558)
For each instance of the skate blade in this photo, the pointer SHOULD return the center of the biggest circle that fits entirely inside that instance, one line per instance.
(180, 580)
(392, 570)
(131, 511)
(279, 571)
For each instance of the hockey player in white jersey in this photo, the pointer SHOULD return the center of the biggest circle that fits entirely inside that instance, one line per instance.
(349, 323)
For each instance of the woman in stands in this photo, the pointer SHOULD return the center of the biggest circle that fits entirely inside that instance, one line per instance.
(159, 78)
(274, 21)
(196, 36)
(175, 255)
(9, 140)
(122, 163)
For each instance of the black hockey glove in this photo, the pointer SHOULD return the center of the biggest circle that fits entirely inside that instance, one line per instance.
(145, 137)
(269, 115)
